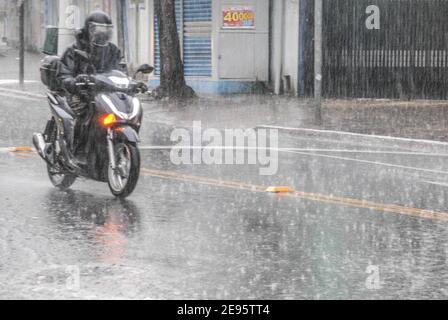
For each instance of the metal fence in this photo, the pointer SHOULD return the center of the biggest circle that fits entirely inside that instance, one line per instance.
(384, 48)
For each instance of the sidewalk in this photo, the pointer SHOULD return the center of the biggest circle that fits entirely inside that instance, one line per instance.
(10, 65)
(426, 120)
(9, 71)
(407, 119)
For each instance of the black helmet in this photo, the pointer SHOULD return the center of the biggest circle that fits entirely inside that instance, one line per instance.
(98, 26)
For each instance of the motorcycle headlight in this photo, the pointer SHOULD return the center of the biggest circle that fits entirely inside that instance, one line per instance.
(119, 82)
(136, 108)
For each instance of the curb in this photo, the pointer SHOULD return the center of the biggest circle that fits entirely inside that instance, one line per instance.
(381, 103)
(18, 93)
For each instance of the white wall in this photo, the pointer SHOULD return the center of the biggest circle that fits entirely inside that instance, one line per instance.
(237, 53)
(12, 32)
(68, 26)
(34, 25)
(277, 13)
(284, 44)
(291, 47)
(2, 28)
(140, 34)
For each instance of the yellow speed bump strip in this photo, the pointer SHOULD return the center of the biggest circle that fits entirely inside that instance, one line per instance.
(328, 199)
(20, 149)
(280, 190)
(22, 152)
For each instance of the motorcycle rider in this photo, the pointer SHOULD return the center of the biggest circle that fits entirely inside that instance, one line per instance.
(94, 39)
(91, 53)
(102, 56)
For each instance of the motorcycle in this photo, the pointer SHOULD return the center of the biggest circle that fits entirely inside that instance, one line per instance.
(111, 127)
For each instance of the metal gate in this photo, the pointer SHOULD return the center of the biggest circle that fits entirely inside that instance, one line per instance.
(385, 48)
(194, 25)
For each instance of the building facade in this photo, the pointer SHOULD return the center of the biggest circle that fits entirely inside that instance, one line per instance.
(231, 46)
(9, 21)
(228, 46)
(224, 44)
(371, 48)
(38, 14)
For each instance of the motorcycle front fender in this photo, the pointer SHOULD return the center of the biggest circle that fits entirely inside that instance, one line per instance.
(127, 133)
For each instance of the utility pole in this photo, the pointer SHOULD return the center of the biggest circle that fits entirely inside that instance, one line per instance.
(120, 24)
(22, 42)
(136, 5)
(318, 57)
(137, 29)
(123, 29)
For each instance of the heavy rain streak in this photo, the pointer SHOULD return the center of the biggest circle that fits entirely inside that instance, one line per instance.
(199, 149)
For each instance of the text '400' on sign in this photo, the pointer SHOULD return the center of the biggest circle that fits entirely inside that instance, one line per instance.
(238, 17)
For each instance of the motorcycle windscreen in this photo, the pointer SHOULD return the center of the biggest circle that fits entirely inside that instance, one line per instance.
(100, 34)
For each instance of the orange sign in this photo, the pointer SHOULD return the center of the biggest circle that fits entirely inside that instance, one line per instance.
(238, 17)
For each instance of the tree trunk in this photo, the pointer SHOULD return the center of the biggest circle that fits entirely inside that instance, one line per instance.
(172, 79)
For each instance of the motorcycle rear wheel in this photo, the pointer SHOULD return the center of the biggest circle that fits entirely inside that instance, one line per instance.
(60, 181)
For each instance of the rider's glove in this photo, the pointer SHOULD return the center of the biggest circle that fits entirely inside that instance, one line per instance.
(82, 79)
(140, 87)
(70, 85)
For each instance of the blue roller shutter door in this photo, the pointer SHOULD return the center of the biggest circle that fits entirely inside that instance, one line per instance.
(195, 18)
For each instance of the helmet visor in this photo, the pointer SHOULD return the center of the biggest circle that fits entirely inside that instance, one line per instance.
(100, 34)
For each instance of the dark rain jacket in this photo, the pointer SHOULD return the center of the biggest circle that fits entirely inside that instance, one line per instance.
(102, 59)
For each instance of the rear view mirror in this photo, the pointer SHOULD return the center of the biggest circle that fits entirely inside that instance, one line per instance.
(145, 69)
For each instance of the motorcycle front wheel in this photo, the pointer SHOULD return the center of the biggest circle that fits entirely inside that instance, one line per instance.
(123, 179)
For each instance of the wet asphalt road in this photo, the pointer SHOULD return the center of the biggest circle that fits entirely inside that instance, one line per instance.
(209, 232)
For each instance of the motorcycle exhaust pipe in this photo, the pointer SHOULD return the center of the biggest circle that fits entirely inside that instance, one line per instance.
(43, 149)
(40, 145)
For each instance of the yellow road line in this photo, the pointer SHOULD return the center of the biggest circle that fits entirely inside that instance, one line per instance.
(21, 149)
(202, 180)
(349, 202)
(391, 208)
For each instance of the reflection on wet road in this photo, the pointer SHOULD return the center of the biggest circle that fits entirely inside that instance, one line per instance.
(365, 221)
(212, 232)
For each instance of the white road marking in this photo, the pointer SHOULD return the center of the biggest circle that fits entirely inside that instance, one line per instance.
(370, 162)
(13, 96)
(440, 184)
(379, 152)
(351, 134)
(289, 150)
(21, 93)
(375, 152)
(306, 153)
(12, 81)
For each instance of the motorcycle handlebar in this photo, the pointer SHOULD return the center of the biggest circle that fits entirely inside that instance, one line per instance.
(91, 81)
(132, 89)
(80, 84)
